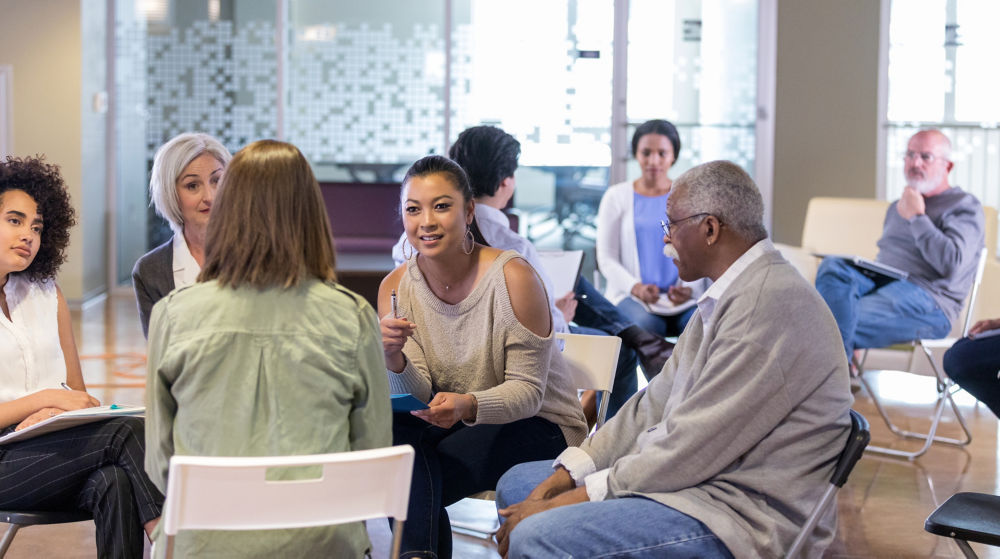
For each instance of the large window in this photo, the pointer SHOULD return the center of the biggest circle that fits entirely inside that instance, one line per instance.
(365, 88)
(938, 50)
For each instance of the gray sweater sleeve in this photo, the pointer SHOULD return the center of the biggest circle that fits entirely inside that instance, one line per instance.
(955, 244)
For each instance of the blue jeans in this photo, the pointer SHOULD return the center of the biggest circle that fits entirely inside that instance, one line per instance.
(974, 364)
(451, 464)
(872, 313)
(627, 527)
(662, 325)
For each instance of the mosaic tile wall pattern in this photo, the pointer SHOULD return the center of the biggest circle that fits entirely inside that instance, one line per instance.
(368, 95)
(213, 78)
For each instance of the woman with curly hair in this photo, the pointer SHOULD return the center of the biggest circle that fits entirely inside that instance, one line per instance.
(95, 467)
(186, 174)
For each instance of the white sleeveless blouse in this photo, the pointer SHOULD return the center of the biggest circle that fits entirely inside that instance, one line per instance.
(29, 342)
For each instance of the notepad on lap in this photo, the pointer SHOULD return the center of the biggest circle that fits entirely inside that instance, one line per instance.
(406, 402)
(73, 418)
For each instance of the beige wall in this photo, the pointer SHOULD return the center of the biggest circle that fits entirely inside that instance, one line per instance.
(826, 119)
(41, 39)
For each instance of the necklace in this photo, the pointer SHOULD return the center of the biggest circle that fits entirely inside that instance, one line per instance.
(430, 275)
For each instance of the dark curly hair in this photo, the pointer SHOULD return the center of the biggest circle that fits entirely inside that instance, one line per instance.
(45, 185)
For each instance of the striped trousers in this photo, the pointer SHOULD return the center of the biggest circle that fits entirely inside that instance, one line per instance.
(97, 467)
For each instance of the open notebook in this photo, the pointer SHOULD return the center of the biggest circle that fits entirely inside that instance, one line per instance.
(69, 419)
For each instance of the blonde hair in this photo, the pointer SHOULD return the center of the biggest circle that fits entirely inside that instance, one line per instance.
(269, 226)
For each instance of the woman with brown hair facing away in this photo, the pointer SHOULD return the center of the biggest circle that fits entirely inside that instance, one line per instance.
(473, 339)
(266, 355)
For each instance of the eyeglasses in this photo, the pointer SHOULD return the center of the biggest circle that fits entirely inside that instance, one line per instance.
(925, 156)
(669, 228)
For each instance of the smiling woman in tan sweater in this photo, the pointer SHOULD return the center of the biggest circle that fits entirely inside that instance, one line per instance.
(473, 340)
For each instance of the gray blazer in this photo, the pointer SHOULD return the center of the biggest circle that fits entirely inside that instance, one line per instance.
(152, 279)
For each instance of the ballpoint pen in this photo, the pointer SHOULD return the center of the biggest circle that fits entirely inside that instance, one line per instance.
(666, 228)
(395, 304)
(64, 385)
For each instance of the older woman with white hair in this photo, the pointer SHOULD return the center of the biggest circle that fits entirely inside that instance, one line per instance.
(186, 173)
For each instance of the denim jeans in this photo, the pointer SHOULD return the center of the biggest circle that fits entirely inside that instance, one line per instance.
(451, 464)
(974, 365)
(662, 325)
(628, 527)
(872, 314)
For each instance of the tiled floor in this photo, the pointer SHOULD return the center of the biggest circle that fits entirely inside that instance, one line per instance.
(882, 508)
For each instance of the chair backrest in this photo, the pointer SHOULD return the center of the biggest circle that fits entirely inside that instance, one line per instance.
(844, 225)
(990, 220)
(592, 361)
(855, 448)
(232, 493)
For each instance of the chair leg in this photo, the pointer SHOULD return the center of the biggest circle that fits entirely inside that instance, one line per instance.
(397, 538)
(945, 391)
(966, 549)
(8, 537)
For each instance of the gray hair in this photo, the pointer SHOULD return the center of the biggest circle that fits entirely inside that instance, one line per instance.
(723, 189)
(169, 163)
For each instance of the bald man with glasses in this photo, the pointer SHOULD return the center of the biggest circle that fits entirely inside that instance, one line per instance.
(934, 233)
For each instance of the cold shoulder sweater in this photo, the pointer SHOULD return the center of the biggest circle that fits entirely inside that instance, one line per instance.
(479, 347)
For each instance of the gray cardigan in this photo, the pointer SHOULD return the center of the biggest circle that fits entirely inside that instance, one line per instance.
(152, 279)
(751, 445)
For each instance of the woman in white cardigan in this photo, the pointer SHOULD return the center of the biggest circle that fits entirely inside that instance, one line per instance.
(630, 238)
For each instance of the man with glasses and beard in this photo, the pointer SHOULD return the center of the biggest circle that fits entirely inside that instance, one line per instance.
(934, 233)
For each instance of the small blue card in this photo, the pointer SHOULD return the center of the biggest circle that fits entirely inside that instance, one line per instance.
(406, 402)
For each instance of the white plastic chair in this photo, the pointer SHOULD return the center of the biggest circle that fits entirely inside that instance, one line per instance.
(232, 493)
(592, 363)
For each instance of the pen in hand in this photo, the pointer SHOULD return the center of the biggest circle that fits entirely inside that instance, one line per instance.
(64, 385)
(395, 304)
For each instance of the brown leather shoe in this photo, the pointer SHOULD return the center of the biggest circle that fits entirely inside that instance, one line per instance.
(653, 350)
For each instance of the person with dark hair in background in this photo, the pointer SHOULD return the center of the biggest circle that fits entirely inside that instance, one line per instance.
(466, 329)
(96, 467)
(489, 157)
(266, 355)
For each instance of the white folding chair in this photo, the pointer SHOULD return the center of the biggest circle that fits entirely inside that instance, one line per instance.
(232, 493)
(931, 352)
(592, 363)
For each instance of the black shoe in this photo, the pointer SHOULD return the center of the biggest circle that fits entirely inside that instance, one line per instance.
(652, 349)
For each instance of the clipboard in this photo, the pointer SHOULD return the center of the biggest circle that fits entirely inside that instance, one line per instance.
(73, 418)
(563, 268)
(406, 402)
(869, 267)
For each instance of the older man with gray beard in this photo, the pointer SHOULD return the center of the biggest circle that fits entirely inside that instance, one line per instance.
(933, 233)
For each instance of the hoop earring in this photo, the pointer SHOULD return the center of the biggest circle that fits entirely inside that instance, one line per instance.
(470, 238)
(406, 243)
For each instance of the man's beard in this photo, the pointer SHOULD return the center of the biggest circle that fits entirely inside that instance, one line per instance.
(925, 184)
